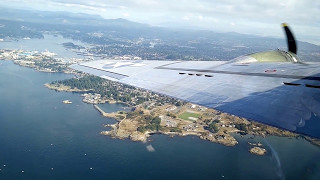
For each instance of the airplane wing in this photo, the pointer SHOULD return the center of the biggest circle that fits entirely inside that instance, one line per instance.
(265, 89)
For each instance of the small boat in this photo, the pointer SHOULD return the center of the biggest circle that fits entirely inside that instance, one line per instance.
(67, 102)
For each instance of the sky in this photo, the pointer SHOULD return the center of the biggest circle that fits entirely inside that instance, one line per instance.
(258, 17)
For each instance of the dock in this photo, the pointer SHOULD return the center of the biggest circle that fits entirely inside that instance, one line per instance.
(101, 111)
(104, 114)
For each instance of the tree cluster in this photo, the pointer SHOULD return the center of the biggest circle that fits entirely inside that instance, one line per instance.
(153, 124)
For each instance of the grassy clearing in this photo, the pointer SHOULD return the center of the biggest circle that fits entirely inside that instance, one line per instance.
(186, 115)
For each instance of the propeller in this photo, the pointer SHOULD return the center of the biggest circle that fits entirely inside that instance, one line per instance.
(292, 46)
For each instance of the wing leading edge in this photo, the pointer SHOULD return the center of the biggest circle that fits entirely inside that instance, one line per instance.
(281, 94)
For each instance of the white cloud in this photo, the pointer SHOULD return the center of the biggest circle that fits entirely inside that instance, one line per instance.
(186, 18)
(126, 14)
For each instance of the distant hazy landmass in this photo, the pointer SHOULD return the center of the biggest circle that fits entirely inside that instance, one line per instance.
(114, 37)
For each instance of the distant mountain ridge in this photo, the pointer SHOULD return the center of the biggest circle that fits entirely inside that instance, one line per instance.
(142, 38)
(60, 17)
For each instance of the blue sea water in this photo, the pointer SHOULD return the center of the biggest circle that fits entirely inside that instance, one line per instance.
(42, 138)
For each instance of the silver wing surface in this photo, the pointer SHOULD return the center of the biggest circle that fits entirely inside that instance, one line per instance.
(281, 94)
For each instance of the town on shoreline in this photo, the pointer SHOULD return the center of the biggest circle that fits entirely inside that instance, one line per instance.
(151, 113)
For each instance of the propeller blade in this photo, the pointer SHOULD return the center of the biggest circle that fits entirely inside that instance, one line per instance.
(292, 47)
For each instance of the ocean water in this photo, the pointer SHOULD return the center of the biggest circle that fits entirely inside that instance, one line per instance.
(42, 138)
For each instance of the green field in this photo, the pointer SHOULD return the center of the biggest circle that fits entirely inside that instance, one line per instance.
(186, 115)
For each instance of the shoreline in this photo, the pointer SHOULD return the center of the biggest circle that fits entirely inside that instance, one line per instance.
(221, 138)
(118, 130)
(126, 128)
(64, 88)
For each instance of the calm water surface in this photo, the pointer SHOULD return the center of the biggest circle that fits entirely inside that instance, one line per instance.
(50, 43)
(50, 140)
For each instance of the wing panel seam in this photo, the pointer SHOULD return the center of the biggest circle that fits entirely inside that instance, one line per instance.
(244, 73)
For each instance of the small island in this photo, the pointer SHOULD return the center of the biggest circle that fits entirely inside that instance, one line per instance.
(258, 151)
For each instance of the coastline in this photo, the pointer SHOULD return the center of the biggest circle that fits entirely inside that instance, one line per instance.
(61, 87)
(128, 127)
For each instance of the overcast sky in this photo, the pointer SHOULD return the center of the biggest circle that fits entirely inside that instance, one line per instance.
(259, 17)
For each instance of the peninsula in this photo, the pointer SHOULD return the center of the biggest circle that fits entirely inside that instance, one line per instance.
(188, 119)
(153, 113)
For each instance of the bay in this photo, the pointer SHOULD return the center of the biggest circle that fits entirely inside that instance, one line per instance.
(49, 42)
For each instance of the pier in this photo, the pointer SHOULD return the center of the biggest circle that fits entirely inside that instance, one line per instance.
(109, 115)
(101, 111)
